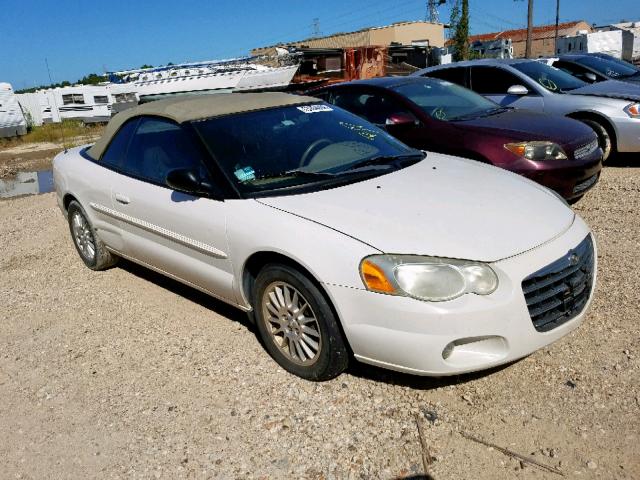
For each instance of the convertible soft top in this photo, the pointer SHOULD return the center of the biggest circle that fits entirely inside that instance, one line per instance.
(199, 107)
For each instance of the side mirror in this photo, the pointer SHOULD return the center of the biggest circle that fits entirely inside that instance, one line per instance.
(400, 122)
(590, 77)
(519, 90)
(187, 181)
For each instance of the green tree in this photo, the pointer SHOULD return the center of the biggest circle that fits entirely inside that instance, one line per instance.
(460, 28)
(92, 79)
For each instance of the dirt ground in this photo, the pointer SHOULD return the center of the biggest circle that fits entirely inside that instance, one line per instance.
(124, 374)
(36, 156)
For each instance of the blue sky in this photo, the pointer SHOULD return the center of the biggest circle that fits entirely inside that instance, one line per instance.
(79, 37)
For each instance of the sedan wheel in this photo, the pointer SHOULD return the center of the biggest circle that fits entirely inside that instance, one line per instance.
(291, 323)
(91, 249)
(604, 138)
(297, 324)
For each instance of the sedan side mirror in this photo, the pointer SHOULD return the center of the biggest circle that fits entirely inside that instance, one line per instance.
(519, 90)
(400, 122)
(187, 181)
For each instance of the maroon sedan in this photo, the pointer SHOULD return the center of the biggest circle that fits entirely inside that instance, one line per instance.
(436, 115)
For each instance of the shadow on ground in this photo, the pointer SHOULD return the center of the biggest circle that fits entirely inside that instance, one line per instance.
(356, 368)
(196, 296)
(623, 160)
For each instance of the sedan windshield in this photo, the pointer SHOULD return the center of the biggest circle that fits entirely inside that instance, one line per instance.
(291, 147)
(551, 78)
(446, 101)
(609, 68)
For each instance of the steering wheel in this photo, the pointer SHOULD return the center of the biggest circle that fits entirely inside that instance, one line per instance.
(438, 113)
(306, 156)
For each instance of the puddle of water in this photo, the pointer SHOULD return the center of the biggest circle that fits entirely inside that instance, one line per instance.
(27, 183)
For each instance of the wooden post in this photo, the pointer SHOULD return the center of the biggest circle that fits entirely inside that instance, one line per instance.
(529, 30)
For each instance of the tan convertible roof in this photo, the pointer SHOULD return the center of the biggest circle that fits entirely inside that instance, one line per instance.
(198, 107)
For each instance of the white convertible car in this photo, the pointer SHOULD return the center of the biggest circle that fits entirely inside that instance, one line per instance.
(337, 239)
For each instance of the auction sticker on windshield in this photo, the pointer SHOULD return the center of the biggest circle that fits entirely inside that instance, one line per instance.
(315, 108)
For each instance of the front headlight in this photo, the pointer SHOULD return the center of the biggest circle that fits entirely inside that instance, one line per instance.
(426, 278)
(633, 110)
(537, 150)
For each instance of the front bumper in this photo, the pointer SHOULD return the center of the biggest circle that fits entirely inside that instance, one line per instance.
(627, 134)
(409, 335)
(570, 178)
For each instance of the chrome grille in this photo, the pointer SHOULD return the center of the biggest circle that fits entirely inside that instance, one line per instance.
(586, 150)
(559, 292)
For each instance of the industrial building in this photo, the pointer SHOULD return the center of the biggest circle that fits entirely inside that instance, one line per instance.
(402, 33)
(543, 44)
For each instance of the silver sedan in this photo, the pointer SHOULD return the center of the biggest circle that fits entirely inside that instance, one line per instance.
(613, 112)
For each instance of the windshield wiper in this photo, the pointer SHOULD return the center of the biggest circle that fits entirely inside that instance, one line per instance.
(299, 173)
(481, 114)
(385, 160)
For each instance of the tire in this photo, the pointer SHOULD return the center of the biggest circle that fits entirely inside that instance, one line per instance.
(304, 341)
(91, 249)
(605, 139)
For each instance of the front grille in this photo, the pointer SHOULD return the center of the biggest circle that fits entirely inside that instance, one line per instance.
(586, 185)
(560, 291)
(586, 150)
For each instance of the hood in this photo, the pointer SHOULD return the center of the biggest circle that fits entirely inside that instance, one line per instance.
(610, 89)
(442, 206)
(527, 125)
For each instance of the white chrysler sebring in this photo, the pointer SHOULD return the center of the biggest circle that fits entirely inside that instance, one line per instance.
(337, 239)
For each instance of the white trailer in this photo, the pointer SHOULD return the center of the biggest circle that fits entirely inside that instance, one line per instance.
(32, 107)
(12, 122)
(88, 103)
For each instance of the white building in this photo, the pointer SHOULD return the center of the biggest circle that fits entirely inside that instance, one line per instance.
(634, 28)
(12, 121)
(617, 43)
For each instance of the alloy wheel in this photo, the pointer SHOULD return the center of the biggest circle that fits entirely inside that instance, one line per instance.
(291, 323)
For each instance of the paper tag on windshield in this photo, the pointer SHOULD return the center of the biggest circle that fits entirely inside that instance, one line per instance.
(245, 174)
(315, 108)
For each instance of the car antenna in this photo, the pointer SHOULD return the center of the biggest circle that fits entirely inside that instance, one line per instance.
(55, 104)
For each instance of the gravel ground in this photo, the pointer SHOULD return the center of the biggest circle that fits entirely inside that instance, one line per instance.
(124, 374)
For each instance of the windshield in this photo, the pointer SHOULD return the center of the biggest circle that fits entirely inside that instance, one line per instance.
(288, 147)
(445, 101)
(609, 68)
(551, 78)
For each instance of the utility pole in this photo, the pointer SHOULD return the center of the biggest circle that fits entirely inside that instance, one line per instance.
(555, 44)
(316, 28)
(529, 30)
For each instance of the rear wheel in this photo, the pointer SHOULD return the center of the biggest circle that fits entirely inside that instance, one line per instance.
(605, 138)
(91, 249)
(297, 325)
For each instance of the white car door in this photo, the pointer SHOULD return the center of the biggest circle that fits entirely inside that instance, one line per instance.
(179, 234)
(494, 83)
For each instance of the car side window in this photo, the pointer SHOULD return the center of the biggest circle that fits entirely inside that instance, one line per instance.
(159, 146)
(453, 75)
(115, 152)
(573, 69)
(372, 106)
(490, 80)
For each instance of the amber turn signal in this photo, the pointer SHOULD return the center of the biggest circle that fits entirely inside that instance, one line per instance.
(374, 278)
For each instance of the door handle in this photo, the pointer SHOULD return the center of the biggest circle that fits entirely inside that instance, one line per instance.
(122, 199)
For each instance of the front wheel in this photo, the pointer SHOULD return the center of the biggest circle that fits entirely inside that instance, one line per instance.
(297, 325)
(604, 137)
